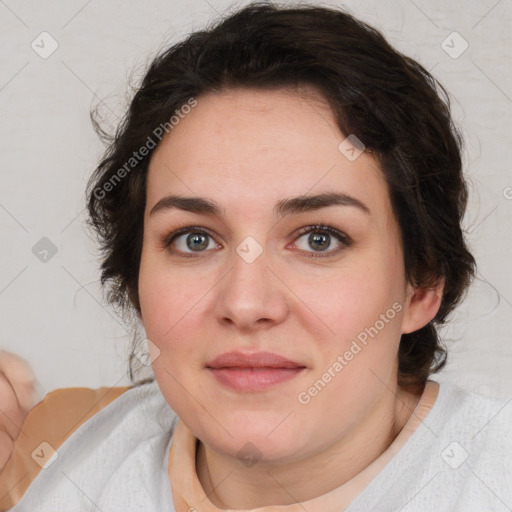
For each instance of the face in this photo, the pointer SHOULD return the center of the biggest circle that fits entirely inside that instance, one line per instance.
(305, 282)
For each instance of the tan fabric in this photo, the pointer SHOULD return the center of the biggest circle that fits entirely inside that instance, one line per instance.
(51, 421)
(189, 494)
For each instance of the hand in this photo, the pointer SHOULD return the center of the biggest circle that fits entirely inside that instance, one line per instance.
(17, 397)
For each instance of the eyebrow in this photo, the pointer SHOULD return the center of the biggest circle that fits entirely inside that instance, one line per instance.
(289, 206)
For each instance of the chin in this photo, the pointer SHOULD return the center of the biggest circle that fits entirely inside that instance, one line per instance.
(251, 445)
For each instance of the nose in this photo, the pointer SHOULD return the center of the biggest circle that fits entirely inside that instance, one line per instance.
(252, 295)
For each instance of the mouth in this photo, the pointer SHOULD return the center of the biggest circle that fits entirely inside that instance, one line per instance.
(252, 372)
(253, 379)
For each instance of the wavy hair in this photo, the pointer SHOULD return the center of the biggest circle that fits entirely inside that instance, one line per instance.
(387, 100)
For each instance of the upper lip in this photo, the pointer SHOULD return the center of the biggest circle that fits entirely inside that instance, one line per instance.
(252, 360)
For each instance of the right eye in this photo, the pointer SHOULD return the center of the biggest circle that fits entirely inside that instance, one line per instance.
(188, 240)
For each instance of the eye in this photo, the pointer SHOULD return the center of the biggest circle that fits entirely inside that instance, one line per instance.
(189, 240)
(194, 239)
(320, 238)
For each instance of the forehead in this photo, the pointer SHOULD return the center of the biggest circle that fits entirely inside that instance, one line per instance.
(249, 148)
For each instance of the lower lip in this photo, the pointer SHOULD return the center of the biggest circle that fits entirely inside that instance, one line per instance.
(251, 379)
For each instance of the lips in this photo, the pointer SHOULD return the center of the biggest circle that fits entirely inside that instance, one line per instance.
(254, 360)
(253, 372)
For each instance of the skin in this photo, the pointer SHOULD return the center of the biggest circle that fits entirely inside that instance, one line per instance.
(17, 397)
(247, 149)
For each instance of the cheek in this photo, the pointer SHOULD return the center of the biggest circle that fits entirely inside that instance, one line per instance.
(360, 308)
(349, 300)
(162, 299)
(173, 303)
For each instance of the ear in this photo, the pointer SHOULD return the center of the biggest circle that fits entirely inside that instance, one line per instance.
(422, 305)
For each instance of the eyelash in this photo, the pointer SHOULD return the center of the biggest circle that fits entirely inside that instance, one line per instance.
(169, 238)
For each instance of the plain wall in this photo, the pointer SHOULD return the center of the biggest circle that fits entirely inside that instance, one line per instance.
(53, 313)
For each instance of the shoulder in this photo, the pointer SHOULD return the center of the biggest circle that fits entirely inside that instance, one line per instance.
(123, 444)
(485, 425)
(45, 428)
(472, 434)
(469, 415)
(458, 459)
(478, 409)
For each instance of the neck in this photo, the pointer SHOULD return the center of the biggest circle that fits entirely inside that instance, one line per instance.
(232, 485)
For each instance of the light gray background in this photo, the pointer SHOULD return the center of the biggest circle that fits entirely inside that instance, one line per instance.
(53, 314)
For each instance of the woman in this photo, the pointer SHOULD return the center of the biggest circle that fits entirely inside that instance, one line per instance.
(282, 209)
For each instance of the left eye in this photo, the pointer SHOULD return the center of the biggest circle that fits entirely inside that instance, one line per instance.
(320, 238)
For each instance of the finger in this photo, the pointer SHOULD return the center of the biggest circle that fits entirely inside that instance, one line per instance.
(11, 414)
(21, 377)
(6, 448)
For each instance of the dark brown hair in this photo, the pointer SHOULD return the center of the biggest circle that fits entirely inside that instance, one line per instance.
(386, 99)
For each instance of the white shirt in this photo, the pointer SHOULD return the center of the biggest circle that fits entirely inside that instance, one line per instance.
(459, 459)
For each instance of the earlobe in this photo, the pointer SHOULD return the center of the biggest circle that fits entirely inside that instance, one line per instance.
(422, 306)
